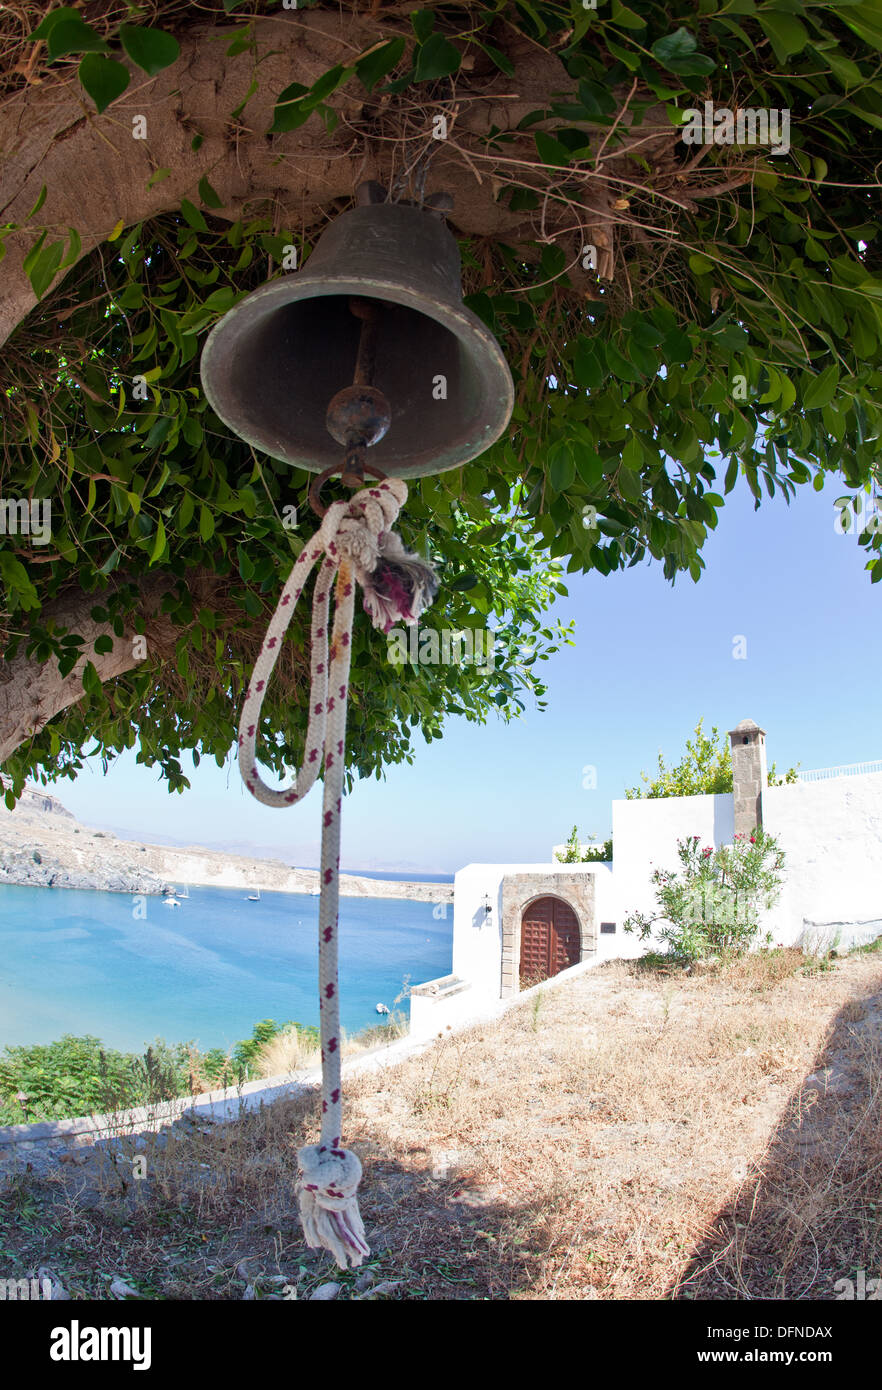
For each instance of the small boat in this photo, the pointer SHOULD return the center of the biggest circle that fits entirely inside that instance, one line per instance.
(382, 1009)
(254, 897)
(169, 900)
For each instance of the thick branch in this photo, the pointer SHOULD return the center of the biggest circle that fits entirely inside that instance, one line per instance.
(97, 173)
(33, 692)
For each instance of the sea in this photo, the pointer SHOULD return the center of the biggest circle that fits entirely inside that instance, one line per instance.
(206, 971)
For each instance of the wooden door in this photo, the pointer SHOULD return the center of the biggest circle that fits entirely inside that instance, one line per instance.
(550, 940)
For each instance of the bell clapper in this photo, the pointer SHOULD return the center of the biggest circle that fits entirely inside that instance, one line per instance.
(359, 415)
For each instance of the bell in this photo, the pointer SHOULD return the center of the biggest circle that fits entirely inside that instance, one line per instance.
(375, 320)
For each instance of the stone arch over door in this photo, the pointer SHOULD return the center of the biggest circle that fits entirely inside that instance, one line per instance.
(519, 892)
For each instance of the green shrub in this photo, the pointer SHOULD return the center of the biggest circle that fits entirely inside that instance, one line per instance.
(79, 1076)
(712, 906)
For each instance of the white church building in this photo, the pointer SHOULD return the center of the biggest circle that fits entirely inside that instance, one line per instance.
(513, 922)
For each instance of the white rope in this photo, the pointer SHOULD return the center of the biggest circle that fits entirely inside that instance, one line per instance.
(358, 544)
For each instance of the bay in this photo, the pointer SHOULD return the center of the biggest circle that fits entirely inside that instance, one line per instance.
(206, 971)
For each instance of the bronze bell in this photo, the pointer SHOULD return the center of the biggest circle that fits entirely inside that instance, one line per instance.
(377, 316)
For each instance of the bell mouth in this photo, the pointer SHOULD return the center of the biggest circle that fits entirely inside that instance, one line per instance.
(273, 363)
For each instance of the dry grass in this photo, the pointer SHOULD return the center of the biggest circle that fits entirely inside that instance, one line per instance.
(292, 1051)
(630, 1134)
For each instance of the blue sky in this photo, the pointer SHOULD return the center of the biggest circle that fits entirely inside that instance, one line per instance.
(649, 661)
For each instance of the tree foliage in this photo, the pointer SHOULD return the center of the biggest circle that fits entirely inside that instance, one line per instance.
(574, 852)
(705, 767)
(677, 317)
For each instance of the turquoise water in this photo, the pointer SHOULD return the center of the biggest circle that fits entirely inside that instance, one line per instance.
(207, 971)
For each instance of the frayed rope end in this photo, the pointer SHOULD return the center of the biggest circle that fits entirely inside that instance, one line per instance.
(400, 586)
(329, 1212)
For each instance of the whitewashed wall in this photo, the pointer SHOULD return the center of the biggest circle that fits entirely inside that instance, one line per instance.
(645, 835)
(831, 833)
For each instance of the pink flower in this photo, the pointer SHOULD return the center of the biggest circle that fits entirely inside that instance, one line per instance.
(705, 853)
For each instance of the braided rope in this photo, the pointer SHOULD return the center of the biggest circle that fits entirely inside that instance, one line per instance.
(358, 545)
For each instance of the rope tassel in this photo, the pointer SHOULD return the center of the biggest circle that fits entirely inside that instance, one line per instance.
(358, 546)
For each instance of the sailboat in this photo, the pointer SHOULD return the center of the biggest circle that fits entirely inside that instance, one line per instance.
(254, 897)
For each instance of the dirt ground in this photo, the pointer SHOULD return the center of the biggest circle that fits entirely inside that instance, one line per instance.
(633, 1133)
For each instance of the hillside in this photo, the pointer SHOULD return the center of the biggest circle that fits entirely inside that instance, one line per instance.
(629, 1134)
(43, 845)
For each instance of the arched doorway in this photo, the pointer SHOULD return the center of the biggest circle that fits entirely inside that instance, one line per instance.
(551, 940)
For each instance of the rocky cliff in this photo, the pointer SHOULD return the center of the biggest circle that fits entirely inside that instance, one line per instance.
(43, 845)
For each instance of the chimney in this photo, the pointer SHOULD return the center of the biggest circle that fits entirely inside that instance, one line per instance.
(749, 775)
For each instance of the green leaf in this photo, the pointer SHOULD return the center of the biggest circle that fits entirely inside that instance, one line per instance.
(677, 53)
(822, 389)
(464, 581)
(91, 679)
(103, 644)
(159, 432)
(159, 543)
(209, 196)
(377, 65)
(435, 58)
(497, 58)
(587, 367)
(589, 466)
(619, 365)
(159, 177)
(46, 25)
(192, 216)
(74, 250)
(561, 466)
(288, 112)
(625, 17)
(206, 524)
(15, 577)
(31, 258)
(788, 35)
(45, 268)
(74, 36)
(550, 150)
(38, 204)
(104, 79)
(151, 49)
(423, 22)
(629, 484)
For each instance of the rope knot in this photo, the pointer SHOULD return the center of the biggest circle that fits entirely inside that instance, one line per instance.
(329, 1212)
(396, 584)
